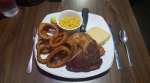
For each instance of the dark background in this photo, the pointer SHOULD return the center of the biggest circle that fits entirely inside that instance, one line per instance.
(141, 9)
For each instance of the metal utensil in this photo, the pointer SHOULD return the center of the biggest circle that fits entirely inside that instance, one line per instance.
(85, 12)
(116, 52)
(29, 66)
(124, 39)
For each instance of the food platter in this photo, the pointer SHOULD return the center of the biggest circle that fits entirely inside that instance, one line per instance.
(107, 58)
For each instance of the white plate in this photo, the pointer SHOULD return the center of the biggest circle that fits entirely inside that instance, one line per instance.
(94, 20)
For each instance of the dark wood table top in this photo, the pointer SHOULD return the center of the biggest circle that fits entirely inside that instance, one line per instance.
(16, 42)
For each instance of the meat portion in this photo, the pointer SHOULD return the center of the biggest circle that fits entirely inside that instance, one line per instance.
(86, 56)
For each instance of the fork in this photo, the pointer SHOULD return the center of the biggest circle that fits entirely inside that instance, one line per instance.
(29, 66)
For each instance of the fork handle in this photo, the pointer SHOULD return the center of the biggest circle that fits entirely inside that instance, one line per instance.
(29, 67)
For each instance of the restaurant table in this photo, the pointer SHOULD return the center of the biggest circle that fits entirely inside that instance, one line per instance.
(16, 42)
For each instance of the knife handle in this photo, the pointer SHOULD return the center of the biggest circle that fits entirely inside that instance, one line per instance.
(117, 59)
(85, 12)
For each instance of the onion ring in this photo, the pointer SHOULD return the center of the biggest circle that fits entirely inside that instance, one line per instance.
(58, 39)
(46, 30)
(59, 57)
(43, 61)
(42, 48)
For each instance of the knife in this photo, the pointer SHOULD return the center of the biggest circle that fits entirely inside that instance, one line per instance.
(85, 12)
(116, 52)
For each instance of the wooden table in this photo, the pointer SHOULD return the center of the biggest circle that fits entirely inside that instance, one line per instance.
(16, 42)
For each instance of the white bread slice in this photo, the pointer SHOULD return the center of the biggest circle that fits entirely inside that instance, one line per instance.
(99, 35)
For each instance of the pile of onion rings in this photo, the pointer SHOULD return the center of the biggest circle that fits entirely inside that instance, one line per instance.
(52, 47)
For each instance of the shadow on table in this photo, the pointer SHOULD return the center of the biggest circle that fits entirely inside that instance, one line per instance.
(28, 3)
(2, 17)
(71, 80)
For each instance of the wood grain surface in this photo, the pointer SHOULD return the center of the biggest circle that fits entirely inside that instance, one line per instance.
(16, 42)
